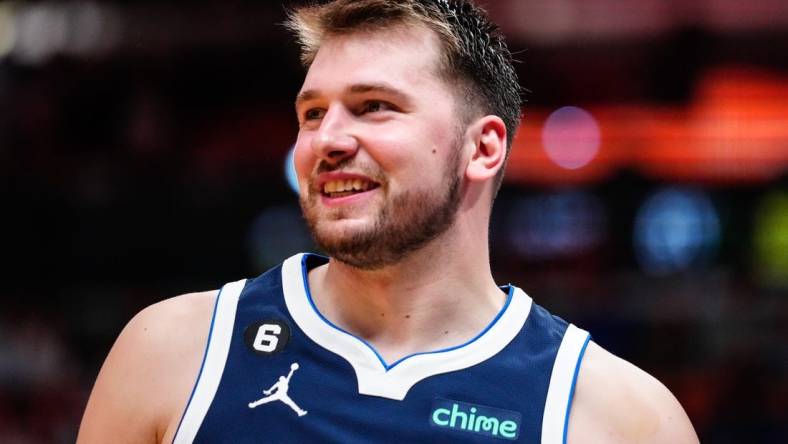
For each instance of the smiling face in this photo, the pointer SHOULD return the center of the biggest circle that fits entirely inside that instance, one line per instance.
(378, 154)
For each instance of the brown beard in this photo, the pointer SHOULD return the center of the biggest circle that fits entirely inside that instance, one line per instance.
(405, 224)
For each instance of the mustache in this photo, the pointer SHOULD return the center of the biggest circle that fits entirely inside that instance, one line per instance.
(325, 167)
(348, 165)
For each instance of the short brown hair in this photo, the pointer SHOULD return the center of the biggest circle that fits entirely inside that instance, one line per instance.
(474, 53)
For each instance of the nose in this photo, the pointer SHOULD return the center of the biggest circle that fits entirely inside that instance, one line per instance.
(334, 141)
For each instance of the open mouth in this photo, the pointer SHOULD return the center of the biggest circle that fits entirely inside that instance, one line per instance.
(347, 187)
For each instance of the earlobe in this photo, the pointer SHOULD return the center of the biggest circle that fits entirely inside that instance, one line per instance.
(489, 152)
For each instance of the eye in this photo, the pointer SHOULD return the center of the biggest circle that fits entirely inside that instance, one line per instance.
(373, 106)
(314, 114)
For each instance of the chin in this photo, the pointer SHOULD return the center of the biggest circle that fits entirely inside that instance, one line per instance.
(340, 231)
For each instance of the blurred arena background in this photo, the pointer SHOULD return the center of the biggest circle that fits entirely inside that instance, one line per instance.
(144, 147)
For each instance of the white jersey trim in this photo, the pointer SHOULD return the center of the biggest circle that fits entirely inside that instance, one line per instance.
(562, 385)
(394, 382)
(217, 349)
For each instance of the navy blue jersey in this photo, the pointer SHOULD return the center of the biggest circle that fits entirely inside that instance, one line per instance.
(275, 370)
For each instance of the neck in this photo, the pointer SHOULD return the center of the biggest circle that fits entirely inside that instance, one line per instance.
(437, 297)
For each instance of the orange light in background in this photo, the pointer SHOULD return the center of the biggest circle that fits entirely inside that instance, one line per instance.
(529, 161)
(735, 130)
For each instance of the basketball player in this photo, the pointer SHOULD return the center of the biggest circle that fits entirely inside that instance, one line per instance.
(400, 335)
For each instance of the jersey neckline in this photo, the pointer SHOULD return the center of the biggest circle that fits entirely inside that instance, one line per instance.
(375, 376)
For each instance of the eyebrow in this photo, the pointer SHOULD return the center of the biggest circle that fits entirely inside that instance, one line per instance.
(360, 88)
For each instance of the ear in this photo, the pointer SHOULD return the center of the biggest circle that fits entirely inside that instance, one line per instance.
(488, 135)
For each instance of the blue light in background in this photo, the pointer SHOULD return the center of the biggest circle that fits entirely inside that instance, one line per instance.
(675, 228)
(556, 225)
(290, 172)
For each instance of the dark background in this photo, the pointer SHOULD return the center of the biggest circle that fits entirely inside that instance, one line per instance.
(142, 155)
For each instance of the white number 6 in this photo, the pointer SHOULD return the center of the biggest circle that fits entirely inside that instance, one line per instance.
(267, 339)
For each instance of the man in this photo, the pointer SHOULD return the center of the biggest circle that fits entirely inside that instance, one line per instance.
(406, 113)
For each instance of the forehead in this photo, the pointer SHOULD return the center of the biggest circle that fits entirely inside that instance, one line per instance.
(404, 57)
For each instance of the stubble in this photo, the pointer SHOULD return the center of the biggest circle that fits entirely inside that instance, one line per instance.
(406, 223)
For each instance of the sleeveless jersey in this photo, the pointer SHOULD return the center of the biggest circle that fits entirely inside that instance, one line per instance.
(276, 371)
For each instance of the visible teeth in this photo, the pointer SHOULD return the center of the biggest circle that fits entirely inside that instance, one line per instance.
(341, 186)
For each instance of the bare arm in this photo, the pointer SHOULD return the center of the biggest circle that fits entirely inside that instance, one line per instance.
(616, 402)
(148, 375)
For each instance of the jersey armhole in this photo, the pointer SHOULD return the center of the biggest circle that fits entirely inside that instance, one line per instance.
(217, 348)
(563, 380)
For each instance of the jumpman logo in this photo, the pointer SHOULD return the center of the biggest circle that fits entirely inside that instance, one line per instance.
(278, 392)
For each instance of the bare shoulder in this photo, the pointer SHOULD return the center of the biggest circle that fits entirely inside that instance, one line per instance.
(616, 402)
(148, 375)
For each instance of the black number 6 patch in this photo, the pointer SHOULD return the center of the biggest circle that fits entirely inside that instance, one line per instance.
(267, 337)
